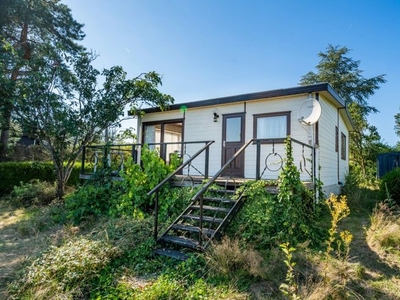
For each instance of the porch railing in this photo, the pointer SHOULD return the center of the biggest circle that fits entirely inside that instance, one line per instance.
(114, 157)
(97, 157)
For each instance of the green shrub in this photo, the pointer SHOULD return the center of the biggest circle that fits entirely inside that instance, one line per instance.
(351, 187)
(290, 216)
(390, 184)
(34, 192)
(255, 223)
(141, 179)
(295, 212)
(102, 196)
(93, 199)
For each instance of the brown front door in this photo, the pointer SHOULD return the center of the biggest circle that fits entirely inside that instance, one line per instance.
(232, 140)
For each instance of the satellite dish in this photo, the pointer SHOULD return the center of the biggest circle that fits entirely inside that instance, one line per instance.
(309, 112)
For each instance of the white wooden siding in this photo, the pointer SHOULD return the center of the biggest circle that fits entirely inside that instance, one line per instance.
(199, 126)
(333, 168)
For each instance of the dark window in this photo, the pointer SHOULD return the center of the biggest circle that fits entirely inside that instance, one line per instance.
(336, 139)
(344, 145)
(272, 125)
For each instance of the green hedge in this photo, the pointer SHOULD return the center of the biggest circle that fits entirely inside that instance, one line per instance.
(74, 178)
(12, 173)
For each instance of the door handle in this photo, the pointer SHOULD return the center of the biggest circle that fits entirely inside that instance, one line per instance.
(223, 143)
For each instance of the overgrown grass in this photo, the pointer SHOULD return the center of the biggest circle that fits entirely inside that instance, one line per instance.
(111, 258)
(383, 235)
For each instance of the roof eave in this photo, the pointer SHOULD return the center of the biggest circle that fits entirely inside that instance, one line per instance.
(313, 88)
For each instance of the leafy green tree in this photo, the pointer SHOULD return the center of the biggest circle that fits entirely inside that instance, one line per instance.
(66, 107)
(343, 73)
(30, 29)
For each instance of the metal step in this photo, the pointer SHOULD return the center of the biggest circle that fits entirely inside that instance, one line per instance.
(171, 253)
(205, 218)
(180, 240)
(222, 191)
(211, 208)
(190, 228)
(219, 200)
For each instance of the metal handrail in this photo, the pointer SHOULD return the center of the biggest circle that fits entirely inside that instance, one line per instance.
(214, 178)
(199, 194)
(158, 186)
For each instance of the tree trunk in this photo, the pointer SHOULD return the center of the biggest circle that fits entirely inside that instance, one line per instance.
(61, 182)
(63, 174)
(60, 189)
(8, 108)
(4, 143)
(5, 129)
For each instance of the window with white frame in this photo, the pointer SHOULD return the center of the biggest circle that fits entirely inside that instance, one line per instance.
(272, 125)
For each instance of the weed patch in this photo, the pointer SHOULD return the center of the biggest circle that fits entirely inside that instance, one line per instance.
(35, 192)
(66, 269)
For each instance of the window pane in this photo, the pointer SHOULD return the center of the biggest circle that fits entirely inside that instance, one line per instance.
(271, 127)
(152, 133)
(173, 133)
(344, 146)
(165, 133)
(233, 129)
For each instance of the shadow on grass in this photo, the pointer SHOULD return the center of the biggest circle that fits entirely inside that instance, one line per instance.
(377, 271)
(24, 233)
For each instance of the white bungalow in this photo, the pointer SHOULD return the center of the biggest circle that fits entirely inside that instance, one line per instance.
(314, 116)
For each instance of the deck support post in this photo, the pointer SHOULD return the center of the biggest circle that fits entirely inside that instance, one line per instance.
(156, 217)
(207, 163)
(201, 222)
(258, 160)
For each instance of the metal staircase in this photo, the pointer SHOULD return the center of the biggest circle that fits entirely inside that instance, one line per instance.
(208, 214)
(210, 210)
(202, 221)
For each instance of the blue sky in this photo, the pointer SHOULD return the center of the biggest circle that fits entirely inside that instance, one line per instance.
(211, 48)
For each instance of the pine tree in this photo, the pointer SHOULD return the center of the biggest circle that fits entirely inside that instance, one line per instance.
(343, 73)
(31, 30)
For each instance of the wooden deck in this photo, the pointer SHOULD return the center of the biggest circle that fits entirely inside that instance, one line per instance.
(229, 182)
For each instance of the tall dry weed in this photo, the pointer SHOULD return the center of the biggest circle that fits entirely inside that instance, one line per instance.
(229, 259)
(384, 230)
